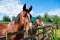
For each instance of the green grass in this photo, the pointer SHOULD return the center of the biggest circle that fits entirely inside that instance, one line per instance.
(58, 38)
(56, 35)
(57, 32)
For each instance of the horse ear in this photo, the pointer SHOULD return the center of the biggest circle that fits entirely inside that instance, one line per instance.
(24, 7)
(30, 8)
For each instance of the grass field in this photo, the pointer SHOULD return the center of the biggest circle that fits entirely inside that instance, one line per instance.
(57, 34)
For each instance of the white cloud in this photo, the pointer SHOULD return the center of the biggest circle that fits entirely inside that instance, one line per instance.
(10, 7)
(51, 12)
(54, 12)
(33, 13)
(36, 14)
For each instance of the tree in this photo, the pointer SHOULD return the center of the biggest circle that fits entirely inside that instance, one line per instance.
(13, 18)
(55, 20)
(46, 18)
(58, 20)
(39, 17)
(6, 18)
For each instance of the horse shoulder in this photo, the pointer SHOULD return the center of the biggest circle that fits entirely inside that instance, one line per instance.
(12, 27)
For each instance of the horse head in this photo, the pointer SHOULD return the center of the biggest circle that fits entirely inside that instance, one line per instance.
(23, 18)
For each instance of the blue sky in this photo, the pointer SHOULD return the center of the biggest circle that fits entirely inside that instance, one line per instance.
(42, 5)
(14, 7)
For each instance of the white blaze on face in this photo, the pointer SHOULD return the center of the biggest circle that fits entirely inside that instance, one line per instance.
(29, 23)
(30, 20)
(28, 16)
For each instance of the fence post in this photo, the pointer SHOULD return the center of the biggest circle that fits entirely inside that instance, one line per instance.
(55, 34)
(43, 32)
(8, 36)
(38, 33)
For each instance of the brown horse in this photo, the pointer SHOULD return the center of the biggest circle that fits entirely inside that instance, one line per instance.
(36, 24)
(17, 25)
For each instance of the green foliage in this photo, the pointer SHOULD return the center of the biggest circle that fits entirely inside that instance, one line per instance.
(46, 18)
(6, 19)
(13, 18)
(39, 17)
(58, 20)
(55, 19)
(56, 34)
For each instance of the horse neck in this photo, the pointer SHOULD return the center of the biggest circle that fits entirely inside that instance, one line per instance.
(20, 26)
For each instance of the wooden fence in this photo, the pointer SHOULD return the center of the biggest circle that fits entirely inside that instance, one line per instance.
(46, 31)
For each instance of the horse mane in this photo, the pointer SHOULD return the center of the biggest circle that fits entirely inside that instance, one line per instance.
(17, 19)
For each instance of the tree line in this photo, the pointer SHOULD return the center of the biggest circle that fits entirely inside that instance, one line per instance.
(46, 18)
(50, 18)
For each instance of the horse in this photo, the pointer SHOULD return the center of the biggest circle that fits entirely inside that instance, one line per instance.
(32, 29)
(22, 18)
(36, 24)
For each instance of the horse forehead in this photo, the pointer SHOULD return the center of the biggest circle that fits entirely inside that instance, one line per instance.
(23, 12)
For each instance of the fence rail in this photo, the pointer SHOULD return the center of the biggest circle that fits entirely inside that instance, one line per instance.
(44, 32)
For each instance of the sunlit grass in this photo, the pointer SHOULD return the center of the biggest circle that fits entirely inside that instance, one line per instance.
(58, 33)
